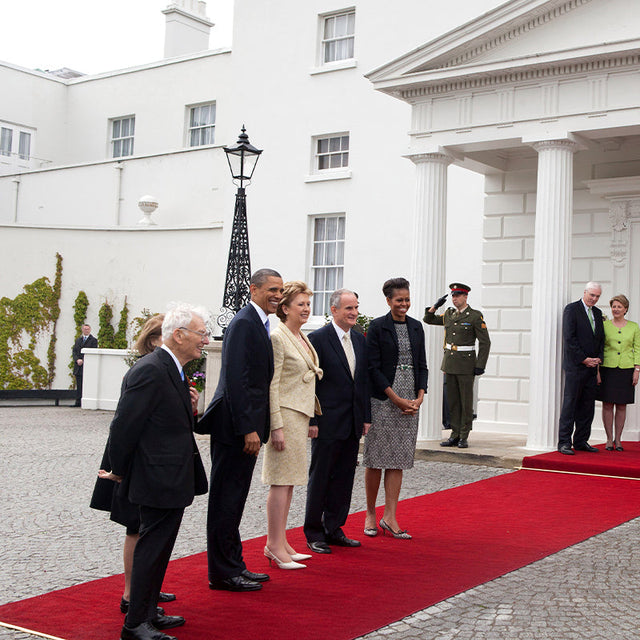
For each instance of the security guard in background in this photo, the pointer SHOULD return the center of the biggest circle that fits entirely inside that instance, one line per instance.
(462, 327)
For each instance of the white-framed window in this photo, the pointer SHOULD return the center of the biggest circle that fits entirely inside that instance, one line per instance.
(24, 145)
(338, 36)
(122, 134)
(202, 124)
(16, 148)
(327, 259)
(6, 141)
(331, 152)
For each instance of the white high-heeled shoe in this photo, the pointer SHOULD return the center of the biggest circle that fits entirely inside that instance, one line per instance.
(299, 557)
(282, 565)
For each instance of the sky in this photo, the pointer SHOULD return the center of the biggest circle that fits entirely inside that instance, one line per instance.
(93, 36)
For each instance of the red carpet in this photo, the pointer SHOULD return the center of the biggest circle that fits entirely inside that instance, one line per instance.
(625, 464)
(463, 537)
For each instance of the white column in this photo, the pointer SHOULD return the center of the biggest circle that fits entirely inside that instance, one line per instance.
(428, 273)
(551, 288)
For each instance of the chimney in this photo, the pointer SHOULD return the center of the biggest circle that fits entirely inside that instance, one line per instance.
(187, 28)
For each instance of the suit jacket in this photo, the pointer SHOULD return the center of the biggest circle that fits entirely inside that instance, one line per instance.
(462, 329)
(240, 404)
(344, 399)
(294, 376)
(382, 349)
(580, 340)
(151, 441)
(78, 346)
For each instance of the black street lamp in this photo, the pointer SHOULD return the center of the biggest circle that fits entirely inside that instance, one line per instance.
(242, 161)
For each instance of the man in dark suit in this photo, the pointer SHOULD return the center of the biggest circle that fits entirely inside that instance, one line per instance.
(344, 399)
(155, 458)
(85, 341)
(583, 334)
(238, 420)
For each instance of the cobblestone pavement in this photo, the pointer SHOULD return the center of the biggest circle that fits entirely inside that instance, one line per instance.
(51, 540)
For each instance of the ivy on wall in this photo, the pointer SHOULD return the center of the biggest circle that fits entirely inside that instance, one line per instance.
(55, 314)
(120, 339)
(106, 333)
(80, 307)
(23, 319)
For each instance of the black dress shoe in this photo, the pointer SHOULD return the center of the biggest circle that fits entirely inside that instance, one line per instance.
(144, 631)
(343, 541)
(256, 577)
(463, 444)
(166, 597)
(450, 442)
(236, 583)
(585, 447)
(167, 622)
(124, 607)
(319, 547)
(567, 450)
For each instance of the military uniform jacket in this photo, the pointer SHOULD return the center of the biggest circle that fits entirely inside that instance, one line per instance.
(462, 329)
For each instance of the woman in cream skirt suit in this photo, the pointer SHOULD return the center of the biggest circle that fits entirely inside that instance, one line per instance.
(292, 402)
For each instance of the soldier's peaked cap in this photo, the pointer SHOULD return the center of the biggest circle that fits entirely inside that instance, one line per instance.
(458, 287)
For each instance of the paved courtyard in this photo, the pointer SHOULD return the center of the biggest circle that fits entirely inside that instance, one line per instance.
(51, 539)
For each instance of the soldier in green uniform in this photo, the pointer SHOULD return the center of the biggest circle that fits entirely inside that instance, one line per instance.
(462, 327)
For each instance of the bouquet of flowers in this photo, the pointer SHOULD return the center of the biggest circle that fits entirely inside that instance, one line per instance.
(197, 380)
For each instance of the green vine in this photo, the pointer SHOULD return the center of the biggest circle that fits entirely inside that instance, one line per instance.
(80, 307)
(55, 314)
(25, 317)
(106, 333)
(120, 339)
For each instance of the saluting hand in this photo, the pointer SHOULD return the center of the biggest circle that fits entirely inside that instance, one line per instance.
(440, 302)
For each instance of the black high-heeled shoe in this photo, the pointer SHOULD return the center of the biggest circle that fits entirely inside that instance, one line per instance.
(619, 447)
(609, 448)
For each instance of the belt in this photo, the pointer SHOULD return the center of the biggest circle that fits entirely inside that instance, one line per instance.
(455, 347)
(404, 367)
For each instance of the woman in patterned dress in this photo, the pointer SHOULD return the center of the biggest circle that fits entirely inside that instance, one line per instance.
(398, 374)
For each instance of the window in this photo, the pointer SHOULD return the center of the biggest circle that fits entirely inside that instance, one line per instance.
(6, 138)
(332, 152)
(327, 260)
(338, 36)
(122, 132)
(17, 148)
(202, 125)
(24, 145)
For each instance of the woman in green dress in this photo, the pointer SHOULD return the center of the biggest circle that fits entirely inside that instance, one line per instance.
(618, 374)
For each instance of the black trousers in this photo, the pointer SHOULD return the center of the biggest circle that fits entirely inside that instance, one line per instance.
(231, 472)
(158, 532)
(333, 466)
(578, 406)
(78, 388)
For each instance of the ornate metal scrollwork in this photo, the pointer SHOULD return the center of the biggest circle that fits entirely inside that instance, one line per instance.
(236, 286)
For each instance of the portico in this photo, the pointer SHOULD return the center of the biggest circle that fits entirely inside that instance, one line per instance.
(542, 97)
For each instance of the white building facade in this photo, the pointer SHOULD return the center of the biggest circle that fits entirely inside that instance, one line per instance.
(523, 96)
(543, 98)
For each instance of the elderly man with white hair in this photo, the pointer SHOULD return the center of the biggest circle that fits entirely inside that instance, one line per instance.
(583, 335)
(154, 456)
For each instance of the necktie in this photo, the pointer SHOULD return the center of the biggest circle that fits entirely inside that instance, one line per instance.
(348, 350)
(593, 324)
(267, 327)
(84, 339)
(182, 375)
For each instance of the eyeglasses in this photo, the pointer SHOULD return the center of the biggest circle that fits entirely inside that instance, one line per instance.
(204, 335)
